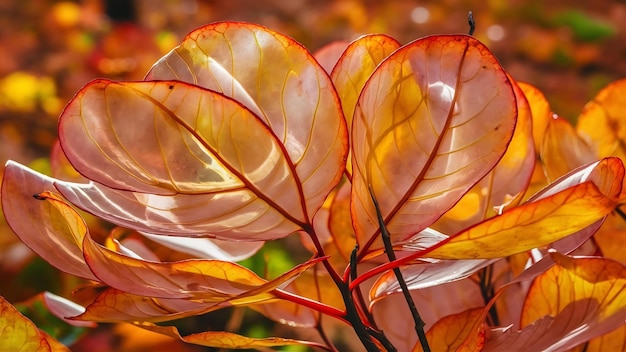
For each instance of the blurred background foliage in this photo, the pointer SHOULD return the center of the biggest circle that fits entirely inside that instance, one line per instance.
(49, 49)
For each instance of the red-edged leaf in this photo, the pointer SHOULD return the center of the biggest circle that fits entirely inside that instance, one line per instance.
(450, 332)
(562, 149)
(47, 230)
(574, 301)
(184, 140)
(423, 135)
(279, 81)
(18, 333)
(540, 111)
(329, 54)
(394, 318)
(355, 66)
(573, 203)
(223, 339)
(505, 185)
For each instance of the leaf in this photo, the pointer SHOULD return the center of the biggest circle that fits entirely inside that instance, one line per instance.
(563, 150)
(355, 66)
(42, 227)
(602, 123)
(574, 202)
(433, 303)
(205, 248)
(575, 300)
(450, 332)
(223, 339)
(113, 306)
(503, 186)
(540, 111)
(17, 333)
(422, 137)
(329, 54)
(225, 155)
(206, 280)
(278, 80)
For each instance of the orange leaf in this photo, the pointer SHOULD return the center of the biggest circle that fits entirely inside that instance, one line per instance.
(18, 333)
(505, 185)
(559, 211)
(450, 332)
(562, 149)
(223, 339)
(572, 302)
(540, 110)
(355, 66)
(422, 136)
(281, 83)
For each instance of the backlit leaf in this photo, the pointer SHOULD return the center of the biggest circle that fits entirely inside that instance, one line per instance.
(450, 332)
(602, 123)
(565, 208)
(47, 230)
(355, 66)
(193, 142)
(540, 111)
(422, 137)
(563, 150)
(575, 300)
(223, 339)
(18, 333)
(277, 79)
(505, 185)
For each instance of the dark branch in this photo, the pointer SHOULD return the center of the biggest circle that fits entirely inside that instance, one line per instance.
(419, 323)
(472, 23)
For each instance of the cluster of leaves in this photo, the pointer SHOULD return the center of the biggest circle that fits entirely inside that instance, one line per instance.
(415, 174)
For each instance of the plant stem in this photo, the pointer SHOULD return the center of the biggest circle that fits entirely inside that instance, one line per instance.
(351, 313)
(419, 323)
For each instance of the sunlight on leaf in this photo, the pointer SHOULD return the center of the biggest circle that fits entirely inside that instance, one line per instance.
(505, 185)
(223, 339)
(544, 219)
(540, 111)
(415, 138)
(563, 150)
(17, 333)
(355, 66)
(450, 332)
(574, 301)
(48, 231)
(278, 80)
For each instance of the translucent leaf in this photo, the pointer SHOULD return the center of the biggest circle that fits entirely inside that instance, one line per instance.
(540, 110)
(224, 153)
(562, 149)
(505, 185)
(45, 229)
(422, 136)
(204, 248)
(18, 333)
(602, 123)
(612, 341)
(355, 66)
(329, 54)
(223, 339)
(433, 303)
(565, 208)
(575, 300)
(278, 80)
(450, 332)
(113, 306)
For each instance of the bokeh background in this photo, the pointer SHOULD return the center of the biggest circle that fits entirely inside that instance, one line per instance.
(49, 49)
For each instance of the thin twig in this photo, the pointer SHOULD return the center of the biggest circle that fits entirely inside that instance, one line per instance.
(472, 23)
(419, 323)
